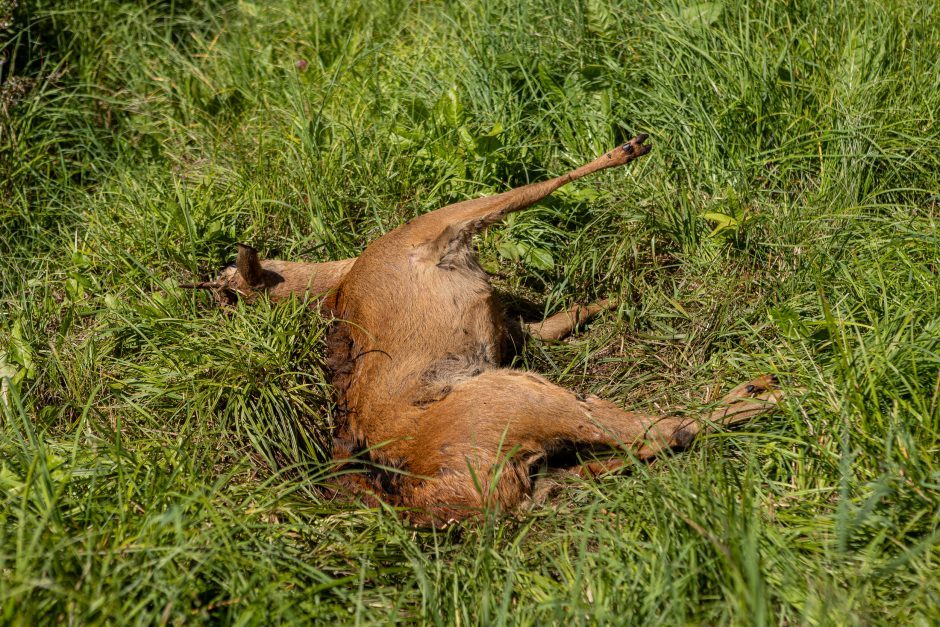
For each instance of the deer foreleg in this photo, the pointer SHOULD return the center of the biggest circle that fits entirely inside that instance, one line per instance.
(561, 325)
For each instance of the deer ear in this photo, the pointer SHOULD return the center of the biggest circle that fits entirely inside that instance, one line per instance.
(249, 266)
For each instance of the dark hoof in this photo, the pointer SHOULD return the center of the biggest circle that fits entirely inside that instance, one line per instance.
(762, 384)
(635, 148)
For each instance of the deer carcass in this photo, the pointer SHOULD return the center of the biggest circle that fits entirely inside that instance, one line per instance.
(417, 354)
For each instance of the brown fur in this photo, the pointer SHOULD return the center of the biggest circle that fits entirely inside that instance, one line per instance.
(417, 352)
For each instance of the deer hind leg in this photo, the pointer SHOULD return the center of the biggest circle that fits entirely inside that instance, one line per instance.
(450, 228)
(479, 443)
(563, 324)
(249, 276)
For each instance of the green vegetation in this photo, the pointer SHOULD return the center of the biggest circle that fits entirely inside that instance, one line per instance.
(158, 457)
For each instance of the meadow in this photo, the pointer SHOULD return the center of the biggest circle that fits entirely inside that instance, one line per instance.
(160, 458)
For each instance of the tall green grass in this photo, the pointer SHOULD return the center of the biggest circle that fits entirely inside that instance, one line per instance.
(158, 457)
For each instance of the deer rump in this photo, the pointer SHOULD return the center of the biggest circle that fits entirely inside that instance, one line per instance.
(416, 355)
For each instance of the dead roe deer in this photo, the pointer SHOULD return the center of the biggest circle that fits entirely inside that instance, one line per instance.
(416, 355)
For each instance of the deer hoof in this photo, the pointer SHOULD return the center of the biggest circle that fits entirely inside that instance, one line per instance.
(635, 148)
(753, 389)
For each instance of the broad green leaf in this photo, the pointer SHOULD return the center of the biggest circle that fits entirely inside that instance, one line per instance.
(722, 220)
(248, 8)
(448, 111)
(540, 259)
(80, 259)
(510, 250)
(705, 13)
(19, 350)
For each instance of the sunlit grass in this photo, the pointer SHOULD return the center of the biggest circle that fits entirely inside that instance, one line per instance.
(157, 455)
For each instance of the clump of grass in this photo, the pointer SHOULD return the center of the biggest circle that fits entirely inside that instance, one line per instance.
(157, 455)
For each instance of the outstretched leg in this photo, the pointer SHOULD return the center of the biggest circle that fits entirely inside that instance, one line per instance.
(519, 418)
(563, 324)
(446, 231)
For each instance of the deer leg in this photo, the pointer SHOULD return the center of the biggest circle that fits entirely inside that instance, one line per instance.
(563, 324)
(449, 229)
(654, 434)
(250, 276)
(352, 476)
(516, 418)
(597, 467)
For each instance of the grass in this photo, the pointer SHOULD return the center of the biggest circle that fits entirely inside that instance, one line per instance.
(158, 458)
